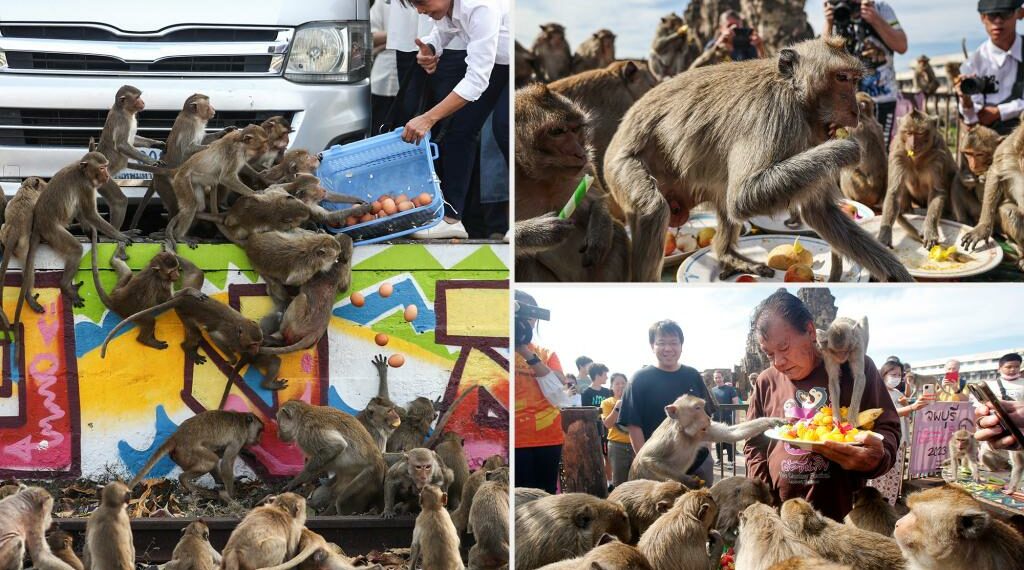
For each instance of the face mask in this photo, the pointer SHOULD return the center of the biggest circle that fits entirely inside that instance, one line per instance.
(892, 381)
(1011, 378)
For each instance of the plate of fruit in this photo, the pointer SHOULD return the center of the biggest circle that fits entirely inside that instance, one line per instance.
(793, 259)
(948, 259)
(696, 233)
(783, 223)
(822, 427)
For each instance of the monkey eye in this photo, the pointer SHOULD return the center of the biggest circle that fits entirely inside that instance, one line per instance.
(557, 132)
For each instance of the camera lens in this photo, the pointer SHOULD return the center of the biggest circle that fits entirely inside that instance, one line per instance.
(841, 12)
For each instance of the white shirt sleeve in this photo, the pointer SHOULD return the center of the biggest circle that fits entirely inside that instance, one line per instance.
(483, 26)
(438, 38)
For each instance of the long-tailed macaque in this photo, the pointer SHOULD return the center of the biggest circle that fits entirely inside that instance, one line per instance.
(978, 146)
(595, 52)
(1003, 203)
(845, 341)
(674, 47)
(551, 50)
(751, 138)
(922, 172)
(552, 157)
(865, 181)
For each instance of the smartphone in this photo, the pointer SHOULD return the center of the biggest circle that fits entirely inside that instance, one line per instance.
(984, 394)
(928, 392)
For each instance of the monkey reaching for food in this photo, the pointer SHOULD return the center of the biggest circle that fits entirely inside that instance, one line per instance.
(208, 442)
(552, 157)
(845, 342)
(406, 479)
(24, 518)
(380, 416)
(947, 529)
(147, 288)
(108, 532)
(921, 171)
(671, 449)
(685, 143)
(872, 512)
(963, 452)
(117, 143)
(1003, 201)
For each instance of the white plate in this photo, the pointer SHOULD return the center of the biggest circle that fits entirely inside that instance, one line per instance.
(775, 223)
(702, 266)
(913, 255)
(697, 222)
(807, 445)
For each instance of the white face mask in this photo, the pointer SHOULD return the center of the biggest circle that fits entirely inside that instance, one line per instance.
(1011, 378)
(892, 381)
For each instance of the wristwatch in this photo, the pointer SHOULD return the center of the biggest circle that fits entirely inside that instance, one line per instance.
(533, 360)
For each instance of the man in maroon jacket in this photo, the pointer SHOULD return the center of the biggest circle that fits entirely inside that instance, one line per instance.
(794, 387)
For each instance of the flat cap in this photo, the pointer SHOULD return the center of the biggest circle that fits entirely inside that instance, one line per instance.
(987, 6)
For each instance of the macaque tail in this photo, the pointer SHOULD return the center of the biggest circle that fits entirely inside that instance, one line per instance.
(174, 301)
(299, 558)
(104, 298)
(303, 343)
(157, 456)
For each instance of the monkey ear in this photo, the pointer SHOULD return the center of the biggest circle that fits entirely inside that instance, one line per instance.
(249, 418)
(606, 538)
(629, 70)
(703, 510)
(320, 556)
(972, 524)
(788, 60)
(583, 517)
(663, 506)
(444, 499)
(670, 411)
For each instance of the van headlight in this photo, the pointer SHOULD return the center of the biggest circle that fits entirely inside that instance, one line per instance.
(329, 52)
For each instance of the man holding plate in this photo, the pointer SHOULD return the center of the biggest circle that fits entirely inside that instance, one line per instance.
(796, 387)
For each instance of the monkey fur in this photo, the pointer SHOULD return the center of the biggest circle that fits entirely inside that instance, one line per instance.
(565, 526)
(845, 341)
(645, 501)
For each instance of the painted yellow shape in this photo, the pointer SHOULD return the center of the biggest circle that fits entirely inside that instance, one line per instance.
(478, 312)
(481, 370)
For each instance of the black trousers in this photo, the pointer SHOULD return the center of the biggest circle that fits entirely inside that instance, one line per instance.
(459, 134)
(537, 467)
(412, 85)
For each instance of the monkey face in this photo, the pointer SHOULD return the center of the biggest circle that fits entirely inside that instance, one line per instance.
(421, 472)
(845, 110)
(393, 418)
(978, 162)
(563, 143)
(553, 35)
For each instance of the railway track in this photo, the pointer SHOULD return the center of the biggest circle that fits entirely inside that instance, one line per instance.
(155, 538)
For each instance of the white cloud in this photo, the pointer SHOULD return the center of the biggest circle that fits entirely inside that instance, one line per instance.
(609, 323)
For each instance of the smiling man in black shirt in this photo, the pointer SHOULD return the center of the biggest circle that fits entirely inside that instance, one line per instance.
(654, 387)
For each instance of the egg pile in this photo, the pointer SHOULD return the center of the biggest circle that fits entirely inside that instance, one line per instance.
(822, 427)
(385, 206)
(409, 314)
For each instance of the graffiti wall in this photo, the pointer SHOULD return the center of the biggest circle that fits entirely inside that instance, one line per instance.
(65, 410)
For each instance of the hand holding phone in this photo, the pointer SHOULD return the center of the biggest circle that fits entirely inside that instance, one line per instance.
(989, 426)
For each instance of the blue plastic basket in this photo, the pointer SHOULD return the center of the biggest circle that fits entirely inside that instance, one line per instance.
(384, 164)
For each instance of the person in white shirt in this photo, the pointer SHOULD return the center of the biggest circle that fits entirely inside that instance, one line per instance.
(1008, 385)
(384, 73)
(999, 58)
(484, 27)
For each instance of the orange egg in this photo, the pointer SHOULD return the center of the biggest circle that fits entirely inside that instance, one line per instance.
(401, 198)
(376, 207)
(351, 221)
(424, 199)
(386, 290)
(407, 205)
(358, 300)
(383, 197)
(411, 312)
(367, 217)
(381, 339)
(396, 361)
(388, 205)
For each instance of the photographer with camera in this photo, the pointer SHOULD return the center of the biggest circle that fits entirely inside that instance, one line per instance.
(991, 84)
(539, 393)
(733, 43)
(872, 33)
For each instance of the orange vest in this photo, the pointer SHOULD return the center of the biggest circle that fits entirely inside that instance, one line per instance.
(538, 423)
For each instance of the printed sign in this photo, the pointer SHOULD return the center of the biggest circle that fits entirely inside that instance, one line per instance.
(933, 426)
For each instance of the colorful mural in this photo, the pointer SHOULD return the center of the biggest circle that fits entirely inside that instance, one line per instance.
(65, 411)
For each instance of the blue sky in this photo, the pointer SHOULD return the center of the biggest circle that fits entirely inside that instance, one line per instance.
(934, 27)
(609, 324)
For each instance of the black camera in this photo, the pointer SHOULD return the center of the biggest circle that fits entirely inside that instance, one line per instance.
(843, 11)
(524, 312)
(984, 85)
(741, 37)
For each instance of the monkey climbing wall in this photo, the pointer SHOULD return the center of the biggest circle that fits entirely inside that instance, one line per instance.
(65, 411)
